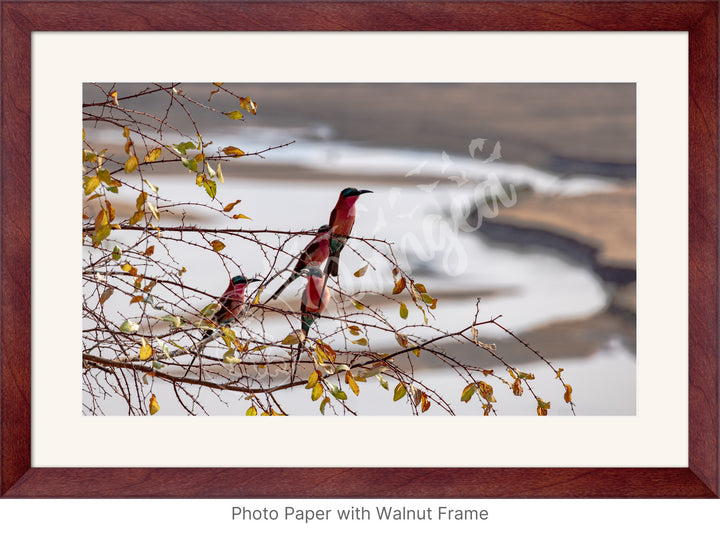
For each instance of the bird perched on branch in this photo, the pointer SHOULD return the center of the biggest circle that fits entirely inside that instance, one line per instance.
(316, 252)
(315, 299)
(231, 303)
(342, 219)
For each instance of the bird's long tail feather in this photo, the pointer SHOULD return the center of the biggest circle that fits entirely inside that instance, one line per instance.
(284, 285)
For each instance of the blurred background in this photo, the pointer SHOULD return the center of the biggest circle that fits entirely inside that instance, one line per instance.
(522, 195)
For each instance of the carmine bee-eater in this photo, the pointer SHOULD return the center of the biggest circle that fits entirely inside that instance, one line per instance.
(342, 219)
(316, 252)
(315, 299)
(231, 302)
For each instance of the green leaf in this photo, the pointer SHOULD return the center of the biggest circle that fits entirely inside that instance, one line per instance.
(323, 404)
(190, 164)
(210, 187)
(403, 311)
(129, 326)
(209, 310)
(467, 393)
(399, 392)
(339, 394)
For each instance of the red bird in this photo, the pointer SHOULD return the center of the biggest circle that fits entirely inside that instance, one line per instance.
(231, 303)
(315, 300)
(342, 219)
(313, 255)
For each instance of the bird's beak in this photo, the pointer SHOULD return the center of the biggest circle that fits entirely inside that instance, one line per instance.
(359, 192)
(252, 280)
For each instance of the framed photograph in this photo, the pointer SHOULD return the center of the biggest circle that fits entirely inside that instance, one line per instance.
(445, 243)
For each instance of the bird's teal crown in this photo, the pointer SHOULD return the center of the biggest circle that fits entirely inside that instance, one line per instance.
(239, 279)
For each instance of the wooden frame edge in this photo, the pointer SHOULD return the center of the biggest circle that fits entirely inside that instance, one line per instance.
(701, 479)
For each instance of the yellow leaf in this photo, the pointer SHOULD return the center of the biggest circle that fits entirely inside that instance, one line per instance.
(568, 394)
(360, 342)
(248, 104)
(399, 286)
(131, 164)
(557, 375)
(111, 210)
(154, 210)
(487, 372)
(326, 350)
(252, 411)
(360, 272)
(357, 304)
(399, 392)
(349, 380)
(290, 340)
(235, 114)
(140, 201)
(153, 154)
(128, 144)
(217, 245)
(136, 299)
(420, 288)
(354, 330)
(257, 295)
(231, 206)
(233, 151)
(241, 216)
(146, 350)
(126, 132)
(416, 351)
(91, 184)
(137, 216)
(317, 391)
(313, 379)
(154, 405)
(220, 176)
(403, 311)
(114, 98)
(126, 267)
